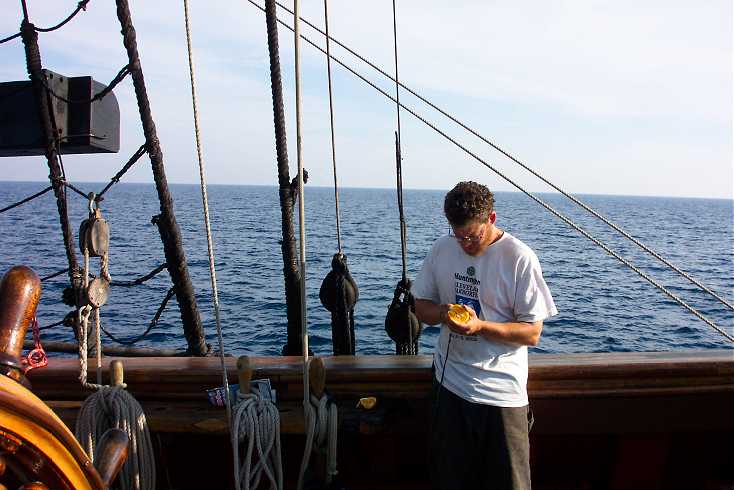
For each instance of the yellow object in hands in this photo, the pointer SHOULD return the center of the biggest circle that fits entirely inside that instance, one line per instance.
(459, 314)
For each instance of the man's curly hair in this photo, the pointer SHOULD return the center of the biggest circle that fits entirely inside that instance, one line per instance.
(467, 202)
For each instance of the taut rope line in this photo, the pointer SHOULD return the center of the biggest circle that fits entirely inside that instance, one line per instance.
(331, 119)
(398, 152)
(517, 186)
(301, 204)
(514, 159)
(209, 242)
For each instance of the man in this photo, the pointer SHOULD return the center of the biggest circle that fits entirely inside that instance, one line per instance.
(481, 413)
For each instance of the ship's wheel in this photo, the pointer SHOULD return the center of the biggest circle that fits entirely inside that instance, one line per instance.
(37, 451)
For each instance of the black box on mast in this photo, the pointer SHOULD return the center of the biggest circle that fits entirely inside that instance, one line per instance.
(82, 126)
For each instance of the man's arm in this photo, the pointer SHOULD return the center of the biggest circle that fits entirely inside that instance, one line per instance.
(519, 333)
(431, 313)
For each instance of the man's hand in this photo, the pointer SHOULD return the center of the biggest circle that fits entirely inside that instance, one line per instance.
(471, 327)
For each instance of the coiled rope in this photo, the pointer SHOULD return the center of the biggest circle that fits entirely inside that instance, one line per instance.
(256, 424)
(113, 407)
(321, 419)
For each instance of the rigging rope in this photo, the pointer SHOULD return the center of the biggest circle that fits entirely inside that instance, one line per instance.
(401, 324)
(55, 274)
(152, 323)
(10, 38)
(205, 203)
(301, 204)
(29, 198)
(133, 160)
(69, 185)
(99, 95)
(517, 186)
(142, 279)
(80, 6)
(398, 153)
(338, 292)
(512, 158)
(331, 118)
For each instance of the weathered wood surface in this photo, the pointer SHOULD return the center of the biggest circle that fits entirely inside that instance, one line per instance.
(551, 376)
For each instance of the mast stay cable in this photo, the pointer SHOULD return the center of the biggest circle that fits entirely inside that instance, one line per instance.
(552, 210)
(575, 200)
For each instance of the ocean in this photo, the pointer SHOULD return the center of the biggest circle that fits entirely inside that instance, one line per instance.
(603, 306)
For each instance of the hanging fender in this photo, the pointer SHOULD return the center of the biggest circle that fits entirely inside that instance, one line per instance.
(401, 324)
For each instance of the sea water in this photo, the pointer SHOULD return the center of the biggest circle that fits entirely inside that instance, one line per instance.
(603, 306)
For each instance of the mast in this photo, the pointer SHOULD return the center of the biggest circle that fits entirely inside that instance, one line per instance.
(286, 189)
(166, 221)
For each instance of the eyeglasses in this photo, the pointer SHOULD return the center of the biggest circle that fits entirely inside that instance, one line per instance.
(466, 240)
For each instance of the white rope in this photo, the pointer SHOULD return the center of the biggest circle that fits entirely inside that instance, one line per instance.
(83, 314)
(113, 407)
(321, 434)
(256, 426)
(301, 204)
(209, 241)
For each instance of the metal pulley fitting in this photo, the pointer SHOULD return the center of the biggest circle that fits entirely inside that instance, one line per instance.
(401, 324)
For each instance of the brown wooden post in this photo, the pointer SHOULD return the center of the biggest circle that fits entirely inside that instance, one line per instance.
(166, 221)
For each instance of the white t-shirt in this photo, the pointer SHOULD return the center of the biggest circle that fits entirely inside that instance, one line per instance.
(504, 284)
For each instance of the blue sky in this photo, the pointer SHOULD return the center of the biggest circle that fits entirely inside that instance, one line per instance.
(618, 97)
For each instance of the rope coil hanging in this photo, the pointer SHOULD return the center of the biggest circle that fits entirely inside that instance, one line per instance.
(255, 431)
(321, 421)
(114, 407)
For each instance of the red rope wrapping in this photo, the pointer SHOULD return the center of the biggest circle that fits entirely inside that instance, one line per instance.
(36, 358)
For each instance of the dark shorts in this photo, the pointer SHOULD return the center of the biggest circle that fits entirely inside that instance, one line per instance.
(475, 446)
